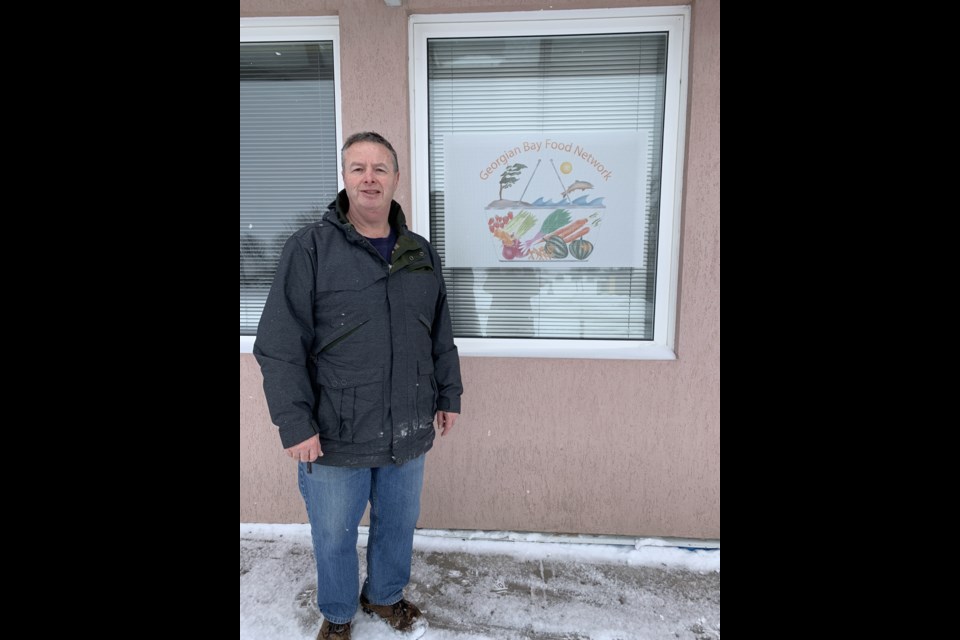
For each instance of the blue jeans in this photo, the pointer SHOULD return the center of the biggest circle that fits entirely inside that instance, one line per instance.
(336, 498)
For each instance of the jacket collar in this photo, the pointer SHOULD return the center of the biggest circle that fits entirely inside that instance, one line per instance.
(339, 207)
(407, 245)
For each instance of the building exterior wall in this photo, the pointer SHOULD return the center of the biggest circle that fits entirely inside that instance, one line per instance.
(627, 447)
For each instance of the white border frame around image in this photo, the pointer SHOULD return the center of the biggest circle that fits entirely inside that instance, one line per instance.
(675, 21)
(298, 29)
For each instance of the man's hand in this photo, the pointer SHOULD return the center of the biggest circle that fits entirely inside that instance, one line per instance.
(445, 420)
(306, 451)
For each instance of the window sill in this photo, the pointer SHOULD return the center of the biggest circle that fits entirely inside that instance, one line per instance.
(580, 349)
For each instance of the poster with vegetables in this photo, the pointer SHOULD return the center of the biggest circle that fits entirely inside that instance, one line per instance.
(545, 199)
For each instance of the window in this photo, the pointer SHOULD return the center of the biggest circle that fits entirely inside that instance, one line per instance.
(289, 142)
(521, 111)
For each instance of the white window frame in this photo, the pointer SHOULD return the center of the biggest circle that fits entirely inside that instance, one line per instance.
(675, 21)
(297, 29)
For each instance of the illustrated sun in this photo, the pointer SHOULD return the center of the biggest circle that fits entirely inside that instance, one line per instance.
(566, 168)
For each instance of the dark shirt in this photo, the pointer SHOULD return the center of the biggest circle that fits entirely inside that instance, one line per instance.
(384, 245)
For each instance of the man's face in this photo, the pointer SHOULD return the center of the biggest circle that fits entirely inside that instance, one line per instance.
(369, 177)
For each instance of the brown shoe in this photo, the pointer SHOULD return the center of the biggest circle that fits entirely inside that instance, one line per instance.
(402, 616)
(333, 631)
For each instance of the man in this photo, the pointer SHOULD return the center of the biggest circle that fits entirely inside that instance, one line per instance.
(356, 348)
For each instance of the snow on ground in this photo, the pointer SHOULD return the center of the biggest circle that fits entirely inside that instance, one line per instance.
(482, 589)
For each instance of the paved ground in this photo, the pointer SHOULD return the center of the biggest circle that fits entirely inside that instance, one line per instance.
(530, 592)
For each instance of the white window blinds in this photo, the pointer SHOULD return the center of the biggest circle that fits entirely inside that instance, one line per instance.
(288, 156)
(549, 83)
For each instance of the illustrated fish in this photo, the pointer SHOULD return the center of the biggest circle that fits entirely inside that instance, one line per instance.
(579, 184)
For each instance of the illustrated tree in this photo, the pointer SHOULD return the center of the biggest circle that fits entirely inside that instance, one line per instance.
(509, 176)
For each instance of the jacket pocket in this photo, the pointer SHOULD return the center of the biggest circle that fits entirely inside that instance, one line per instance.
(336, 337)
(351, 288)
(426, 323)
(351, 404)
(426, 393)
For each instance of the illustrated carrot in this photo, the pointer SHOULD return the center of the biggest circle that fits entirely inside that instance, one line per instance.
(567, 230)
(578, 234)
(505, 237)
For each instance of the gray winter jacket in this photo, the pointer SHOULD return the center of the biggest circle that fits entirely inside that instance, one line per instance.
(355, 349)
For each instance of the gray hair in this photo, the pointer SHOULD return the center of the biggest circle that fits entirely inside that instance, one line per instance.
(368, 136)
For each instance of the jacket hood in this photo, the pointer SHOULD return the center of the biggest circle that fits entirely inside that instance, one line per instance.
(341, 205)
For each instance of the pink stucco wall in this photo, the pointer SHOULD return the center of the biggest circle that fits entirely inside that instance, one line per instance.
(609, 446)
